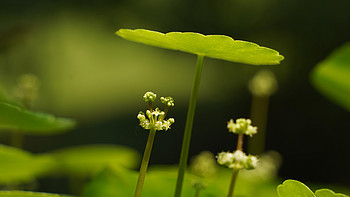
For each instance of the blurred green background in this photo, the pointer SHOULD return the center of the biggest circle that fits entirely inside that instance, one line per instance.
(89, 74)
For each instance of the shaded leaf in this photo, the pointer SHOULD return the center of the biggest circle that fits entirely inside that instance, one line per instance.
(27, 194)
(292, 188)
(19, 166)
(122, 183)
(328, 193)
(19, 119)
(331, 76)
(89, 159)
(214, 46)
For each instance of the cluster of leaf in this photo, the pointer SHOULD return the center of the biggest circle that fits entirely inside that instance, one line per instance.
(161, 180)
(18, 166)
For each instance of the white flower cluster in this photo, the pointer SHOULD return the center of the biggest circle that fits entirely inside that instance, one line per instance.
(168, 101)
(242, 126)
(237, 160)
(155, 120)
(149, 97)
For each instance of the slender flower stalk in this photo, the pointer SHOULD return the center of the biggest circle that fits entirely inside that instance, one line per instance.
(188, 127)
(26, 91)
(238, 160)
(262, 86)
(153, 120)
(145, 161)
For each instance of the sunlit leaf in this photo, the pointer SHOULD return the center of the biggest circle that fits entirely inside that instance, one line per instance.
(331, 76)
(89, 159)
(328, 193)
(27, 194)
(292, 188)
(19, 166)
(214, 46)
(19, 119)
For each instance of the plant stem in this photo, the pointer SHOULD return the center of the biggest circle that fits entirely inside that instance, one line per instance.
(233, 181)
(144, 164)
(17, 139)
(197, 192)
(258, 114)
(240, 142)
(235, 171)
(188, 127)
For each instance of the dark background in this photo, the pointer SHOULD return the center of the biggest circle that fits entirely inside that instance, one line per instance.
(310, 132)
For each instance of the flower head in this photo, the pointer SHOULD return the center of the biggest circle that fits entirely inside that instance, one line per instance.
(169, 101)
(149, 97)
(242, 126)
(155, 119)
(237, 160)
(263, 84)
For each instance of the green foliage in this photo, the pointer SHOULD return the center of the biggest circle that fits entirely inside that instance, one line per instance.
(160, 182)
(214, 46)
(293, 188)
(27, 194)
(19, 119)
(121, 182)
(18, 166)
(331, 76)
(84, 161)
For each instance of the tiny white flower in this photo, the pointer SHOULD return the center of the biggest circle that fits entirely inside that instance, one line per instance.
(225, 158)
(239, 156)
(157, 112)
(251, 162)
(159, 125)
(141, 116)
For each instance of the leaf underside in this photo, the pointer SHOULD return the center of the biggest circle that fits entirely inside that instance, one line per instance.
(15, 118)
(214, 46)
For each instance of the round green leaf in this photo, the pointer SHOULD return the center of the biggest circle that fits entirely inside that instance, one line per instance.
(88, 159)
(328, 193)
(214, 46)
(19, 119)
(19, 166)
(292, 188)
(331, 76)
(27, 194)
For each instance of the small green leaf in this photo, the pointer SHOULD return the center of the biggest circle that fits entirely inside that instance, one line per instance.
(27, 194)
(328, 193)
(19, 166)
(214, 46)
(19, 119)
(331, 76)
(89, 159)
(292, 188)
